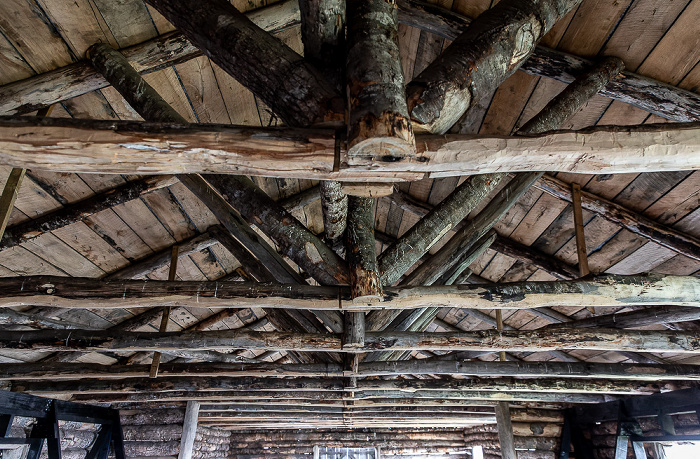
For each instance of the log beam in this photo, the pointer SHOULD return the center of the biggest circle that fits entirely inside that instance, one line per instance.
(130, 147)
(296, 91)
(609, 290)
(535, 341)
(379, 129)
(641, 318)
(491, 49)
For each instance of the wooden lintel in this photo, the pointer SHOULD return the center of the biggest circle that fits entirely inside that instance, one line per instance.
(608, 290)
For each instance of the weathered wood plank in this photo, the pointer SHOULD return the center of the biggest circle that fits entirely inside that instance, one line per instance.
(610, 290)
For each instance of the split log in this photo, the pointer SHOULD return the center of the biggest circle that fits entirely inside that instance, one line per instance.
(360, 249)
(296, 91)
(609, 290)
(640, 318)
(492, 48)
(379, 128)
(636, 223)
(534, 341)
(26, 231)
(96, 146)
(295, 240)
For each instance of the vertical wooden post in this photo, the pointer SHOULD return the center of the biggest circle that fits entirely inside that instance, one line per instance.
(189, 430)
(166, 310)
(360, 249)
(505, 431)
(578, 224)
(379, 128)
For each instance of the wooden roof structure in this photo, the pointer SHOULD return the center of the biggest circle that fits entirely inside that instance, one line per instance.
(469, 236)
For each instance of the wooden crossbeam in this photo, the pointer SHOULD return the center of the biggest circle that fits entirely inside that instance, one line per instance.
(132, 147)
(566, 370)
(632, 319)
(535, 341)
(608, 290)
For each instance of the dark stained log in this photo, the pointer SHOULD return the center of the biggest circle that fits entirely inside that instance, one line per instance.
(9, 195)
(323, 35)
(453, 274)
(128, 147)
(64, 83)
(491, 49)
(472, 230)
(408, 249)
(659, 98)
(160, 259)
(581, 252)
(547, 263)
(354, 330)
(296, 91)
(379, 128)
(334, 204)
(140, 95)
(661, 234)
(295, 240)
(609, 290)
(360, 250)
(640, 318)
(574, 96)
(81, 210)
(30, 319)
(535, 341)
(505, 431)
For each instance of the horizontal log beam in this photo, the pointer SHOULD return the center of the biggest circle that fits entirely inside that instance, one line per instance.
(535, 341)
(641, 318)
(153, 148)
(608, 290)
(575, 370)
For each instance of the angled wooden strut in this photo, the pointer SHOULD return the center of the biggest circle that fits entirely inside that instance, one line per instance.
(296, 91)
(492, 48)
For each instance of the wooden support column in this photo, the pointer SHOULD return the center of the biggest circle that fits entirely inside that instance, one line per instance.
(189, 430)
(296, 91)
(166, 310)
(505, 431)
(360, 248)
(334, 203)
(492, 48)
(379, 128)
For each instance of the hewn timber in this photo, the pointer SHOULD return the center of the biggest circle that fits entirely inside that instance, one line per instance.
(608, 290)
(574, 370)
(632, 221)
(505, 431)
(402, 254)
(9, 195)
(295, 240)
(640, 318)
(81, 210)
(379, 128)
(366, 388)
(491, 49)
(189, 430)
(535, 341)
(71, 145)
(360, 251)
(295, 90)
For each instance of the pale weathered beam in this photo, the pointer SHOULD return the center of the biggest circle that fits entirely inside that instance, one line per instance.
(492, 48)
(608, 290)
(132, 147)
(189, 430)
(296, 91)
(535, 341)
(478, 368)
(379, 128)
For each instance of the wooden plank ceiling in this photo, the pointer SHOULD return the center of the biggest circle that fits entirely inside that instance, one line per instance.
(654, 38)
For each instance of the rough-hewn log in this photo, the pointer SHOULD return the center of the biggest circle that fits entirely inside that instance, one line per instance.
(296, 91)
(641, 318)
(354, 329)
(632, 221)
(80, 78)
(408, 249)
(360, 250)
(295, 240)
(610, 290)
(535, 341)
(505, 431)
(189, 430)
(493, 47)
(472, 230)
(334, 204)
(379, 128)
(81, 210)
(129, 147)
